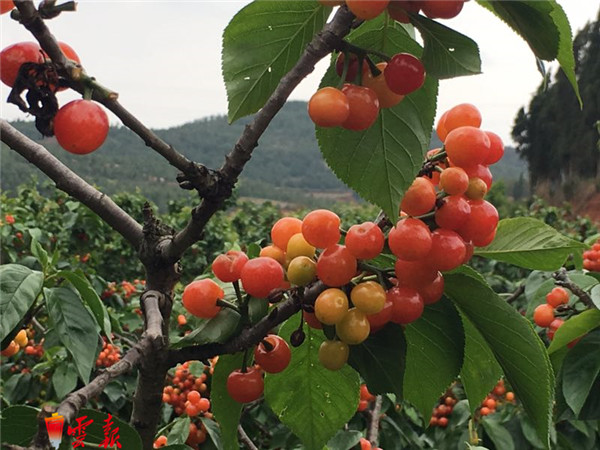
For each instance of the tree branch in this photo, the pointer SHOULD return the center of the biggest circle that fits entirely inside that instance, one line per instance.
(249, 336)
(515, 295)
(373, 431)
(154, 321)
(322, 44)
(245, 439)
(199, 176)
(71, 183)
(562, 279)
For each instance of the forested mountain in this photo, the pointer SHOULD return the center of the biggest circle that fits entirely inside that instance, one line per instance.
(559, 140)
(286, 166)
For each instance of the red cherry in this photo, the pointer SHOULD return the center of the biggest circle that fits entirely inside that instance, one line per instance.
(81, 126)
(245, 387)
(228, 267)
(404, 73)
(13, 56)
(261, 275)
(410, 239)
(274, 359)
(442, 9)
(433, 292)
(447, 250)
(364, 107)
(200, 298)
(336, 266)
(365, 241)
(407, 304)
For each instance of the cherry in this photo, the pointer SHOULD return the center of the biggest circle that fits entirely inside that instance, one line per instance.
(433, 292)
(380, 319)
(328, 107)
(352, 66)
(410, 239)
(6, 6)
(298, 246)
(442, 9)
(453, 212)
(414, 273)
(398, 10)
(480, 171)
(419, 198)
(386, 97)
(368, 297)
(365, 241)
(331, 306)
(447, 250)
(273, 252)
(321, 228)
(274, 358)
(301, 270)
(467, 146)
(245, 387)
(81, 126)
(454, 181)
(228, 267)
(364, 107)
(557, 296)
(14, 56)
(543, 315)
(336, 266)
(367, 9)
(261, 275)
(482, 221)
(333, 355)
(404, 73)
(462, 115)
(200, 298)
(477, 189)
(283, 230)
(407, 304)
(496, 148)
(354, 327)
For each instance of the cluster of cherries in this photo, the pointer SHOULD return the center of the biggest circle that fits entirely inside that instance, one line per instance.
(365, 398)
(543, 315)
(126, 289)
(439, 417)
(498, 396)
(80, 126)
(109, 355)
(360, 299)
(20, 341)
(188, 395)
(356, 106)
(399, 9)
(591, 258)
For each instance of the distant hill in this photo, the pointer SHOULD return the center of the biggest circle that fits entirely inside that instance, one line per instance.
(287, 166)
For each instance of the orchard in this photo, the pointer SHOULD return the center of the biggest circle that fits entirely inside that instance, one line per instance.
(423, 318)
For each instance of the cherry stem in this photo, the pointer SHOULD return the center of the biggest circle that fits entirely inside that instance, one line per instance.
(244, 367)
(267, 345)
(438, 156)
(225, 304)
(238, 292)
(344, 70)
(359, 51)
(429, 215)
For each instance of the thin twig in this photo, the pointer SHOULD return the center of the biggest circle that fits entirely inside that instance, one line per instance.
(245, 439)
(321, 45)
(515, 295)
(563, 280)
(373, 431)
(68, 181)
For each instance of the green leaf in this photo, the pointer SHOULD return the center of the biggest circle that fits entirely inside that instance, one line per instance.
(218, 329)
(38, 251)
(575, 327)
(545, 27)
(64, 379)
(499, 435)
(75, 327)
(128, 437)
(18, 425)
(179, 431)
(595, 295)
(226, 410)
(257, 309)
(516, 346)
(19, 288)
(17, 388)
(580, 370)
(344, 440)
(530, 243)
(480, 371)
(379, 363)
(434, 355)
(381, 163)
(447, 53)
(312, 401)
(260, 45)
(214, 431)
(91, 298)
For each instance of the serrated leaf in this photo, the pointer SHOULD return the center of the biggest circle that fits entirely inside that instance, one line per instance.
(17, 387)
(18, 425)
(580, 370)
(573, 328)
(480, 371)
(213, 431)
(434, 355)
(312, 401)
(381, 162)
(226, 410)
(530, 243)
(380, 360)
(260, 45)
(91, 298)
(38, 251)
(128, 437)
(218, 329)
(499, 435)
(447, 53)
(545, 27)
(64, 379)
(179, 431)
(516, 346)
(75, 328)
(19, 287)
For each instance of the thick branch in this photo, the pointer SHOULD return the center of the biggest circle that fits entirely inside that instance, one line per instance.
(198, 175)
(562, 279)
(321, 45)
(78, 399)
(69, 182)
(154, 321)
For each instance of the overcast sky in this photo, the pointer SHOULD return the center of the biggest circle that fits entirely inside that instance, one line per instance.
(164, 58)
